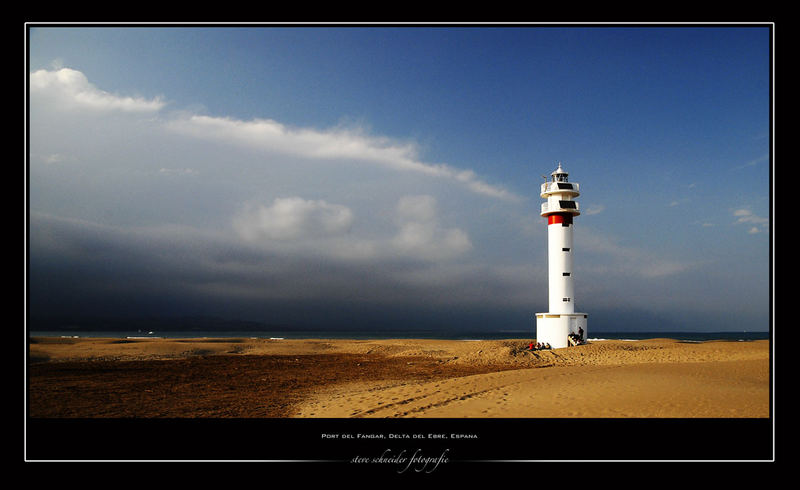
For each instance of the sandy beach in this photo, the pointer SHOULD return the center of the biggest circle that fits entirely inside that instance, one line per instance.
(314, 378)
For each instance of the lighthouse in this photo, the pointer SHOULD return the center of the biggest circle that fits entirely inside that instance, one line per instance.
(560, 326)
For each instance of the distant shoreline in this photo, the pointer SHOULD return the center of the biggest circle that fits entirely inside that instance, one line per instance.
(410, 334)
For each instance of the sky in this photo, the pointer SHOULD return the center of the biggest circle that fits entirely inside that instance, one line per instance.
(387, 177)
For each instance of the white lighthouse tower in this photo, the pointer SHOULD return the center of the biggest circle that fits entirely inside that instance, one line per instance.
(557, 325)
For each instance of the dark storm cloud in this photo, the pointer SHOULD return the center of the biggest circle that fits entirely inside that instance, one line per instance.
(85, 268)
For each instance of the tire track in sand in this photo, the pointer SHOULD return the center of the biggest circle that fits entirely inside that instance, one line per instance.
(417, 399)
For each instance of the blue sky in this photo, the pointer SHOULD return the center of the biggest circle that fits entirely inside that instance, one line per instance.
(388, 177)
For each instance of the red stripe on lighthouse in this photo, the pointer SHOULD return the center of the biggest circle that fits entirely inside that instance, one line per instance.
(563, 218)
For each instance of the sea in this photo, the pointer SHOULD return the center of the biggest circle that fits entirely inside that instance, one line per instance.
(397, 334)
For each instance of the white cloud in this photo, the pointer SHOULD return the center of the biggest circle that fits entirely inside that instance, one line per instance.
(754, 162)
(594, 209)
(254, 179)
(54, 158)
(615, 258)
(336, 143)
(300, 226)
(745, 216)
(72, 87)
(677, 202)
(292, 218)
(176, 171)
(419, 209)
(421, 236)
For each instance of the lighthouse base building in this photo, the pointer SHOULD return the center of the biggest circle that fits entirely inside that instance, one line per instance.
(556, 328)
(561, 326)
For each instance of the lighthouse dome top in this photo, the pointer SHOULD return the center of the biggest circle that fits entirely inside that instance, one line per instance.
(559, 174)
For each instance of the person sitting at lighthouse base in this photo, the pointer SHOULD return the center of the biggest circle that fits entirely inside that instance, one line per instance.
(576, 338)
